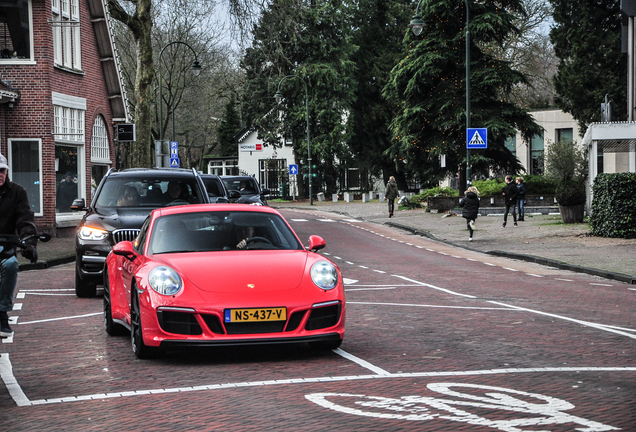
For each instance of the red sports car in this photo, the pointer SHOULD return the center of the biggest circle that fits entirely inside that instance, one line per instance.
(221, 274)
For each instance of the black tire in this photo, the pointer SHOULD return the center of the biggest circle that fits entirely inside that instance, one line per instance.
(82, 289)
(325, 345)
(141, 350)
(111, 327)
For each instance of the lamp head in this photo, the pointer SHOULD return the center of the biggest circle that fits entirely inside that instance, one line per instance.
(417, 25)
(196, 68)
(278, 96)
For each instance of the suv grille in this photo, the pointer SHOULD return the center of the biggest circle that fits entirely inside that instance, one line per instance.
(125, 235)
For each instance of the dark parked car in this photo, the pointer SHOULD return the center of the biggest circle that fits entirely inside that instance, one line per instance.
(217, 191)
(120, 205)
(248, 187)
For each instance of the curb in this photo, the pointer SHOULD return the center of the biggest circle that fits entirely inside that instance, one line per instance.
(41, 265)
(529, 258)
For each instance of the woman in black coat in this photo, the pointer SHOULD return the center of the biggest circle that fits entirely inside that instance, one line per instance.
(470, 208)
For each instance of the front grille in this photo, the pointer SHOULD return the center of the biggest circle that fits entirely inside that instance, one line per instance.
(125, 235)
(294, 321)
(323, 317)
(255, 327)
(179, 322)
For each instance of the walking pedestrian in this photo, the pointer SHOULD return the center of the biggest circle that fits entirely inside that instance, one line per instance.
(510, 194)
(521, 198)
(391, 194)
(470, 209)
(16, 217)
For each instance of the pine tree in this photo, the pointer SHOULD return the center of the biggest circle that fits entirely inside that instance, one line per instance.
(427, 89)
(230, 125)
(587, 40)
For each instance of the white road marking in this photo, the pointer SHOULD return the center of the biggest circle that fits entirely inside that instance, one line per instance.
(379, 271)
(299, 220)
(600, 284)
(427, 306)
(353, 220)
(47, 290)
(564, 280)
(6, 372)
(17, 306)
(370, 289)
(62, 318)
(348, 281)
(20, 295)
(534, 275)
(511, 269)
(325, 220)
(489, 264)
(434, 287)
(349, 262)
(364, 267)
(363, 363)
(46, 294)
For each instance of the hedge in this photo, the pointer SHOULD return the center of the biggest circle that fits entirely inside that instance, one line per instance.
(614, 205)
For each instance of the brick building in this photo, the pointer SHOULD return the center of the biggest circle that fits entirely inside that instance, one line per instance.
(61, 93)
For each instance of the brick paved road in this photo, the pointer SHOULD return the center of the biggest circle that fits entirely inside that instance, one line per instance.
(438, 338)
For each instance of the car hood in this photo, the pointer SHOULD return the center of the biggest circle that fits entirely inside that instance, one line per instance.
(241, 271)
(118, 218)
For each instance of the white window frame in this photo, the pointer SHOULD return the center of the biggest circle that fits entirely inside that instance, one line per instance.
(63, 105)
(10, 160)
(30, 60)
(100, 148)
(67, 51)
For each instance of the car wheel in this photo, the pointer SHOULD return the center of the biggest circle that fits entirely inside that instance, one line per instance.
(82, 289)
(325, 345)
(141, 350)
(111, 327)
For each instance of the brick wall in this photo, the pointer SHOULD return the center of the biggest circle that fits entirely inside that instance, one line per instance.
(32, 115)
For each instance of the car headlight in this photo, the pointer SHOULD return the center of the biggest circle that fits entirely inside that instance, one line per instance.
(165, 280)
(324, 275)
(88, 233)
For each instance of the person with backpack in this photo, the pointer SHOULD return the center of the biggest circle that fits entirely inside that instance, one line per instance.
(470, 209)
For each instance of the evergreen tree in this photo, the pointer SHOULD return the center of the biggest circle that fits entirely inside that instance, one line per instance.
(427, 88)
(587, 40)
(230, 125)
(379, 30)
(311, 40)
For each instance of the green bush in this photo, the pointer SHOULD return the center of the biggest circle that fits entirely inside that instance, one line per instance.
(489, 187)
(571, 193)
(614, 205)
(436, 191)
(539, 185)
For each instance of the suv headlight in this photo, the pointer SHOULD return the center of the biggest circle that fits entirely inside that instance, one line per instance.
(88, 233)
(165, 280)
(324, 275)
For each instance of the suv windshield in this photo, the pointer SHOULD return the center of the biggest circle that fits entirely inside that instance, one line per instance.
(130, 192)
(245, 185)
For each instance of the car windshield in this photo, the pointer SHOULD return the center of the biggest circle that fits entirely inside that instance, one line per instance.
(221, 231)
(213, 186)
(245, 185)
(118, 193)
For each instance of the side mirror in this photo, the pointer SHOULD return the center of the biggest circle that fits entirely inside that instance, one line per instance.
(79, 204)
(125, 249)
(222, 200)
(316, 243)
(265, 191)
(234, 194)
(44, 237)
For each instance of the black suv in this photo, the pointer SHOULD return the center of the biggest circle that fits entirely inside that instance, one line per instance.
(249, 189)
(120, 205)
(217, 191)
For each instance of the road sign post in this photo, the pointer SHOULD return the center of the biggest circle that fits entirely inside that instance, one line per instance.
(174, 154)
(477, 138)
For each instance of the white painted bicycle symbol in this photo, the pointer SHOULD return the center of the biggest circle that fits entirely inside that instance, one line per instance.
(513, 409)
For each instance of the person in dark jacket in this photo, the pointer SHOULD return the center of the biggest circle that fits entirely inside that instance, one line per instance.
(16, 217)
(470, 209)
(521, 198)
(510, 194)
(66, 193)
(391, 194)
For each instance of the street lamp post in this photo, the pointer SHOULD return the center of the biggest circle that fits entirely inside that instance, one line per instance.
(278, 97)
(417, 25)
(196, 68)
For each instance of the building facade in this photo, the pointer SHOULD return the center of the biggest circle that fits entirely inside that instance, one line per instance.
(59, 61)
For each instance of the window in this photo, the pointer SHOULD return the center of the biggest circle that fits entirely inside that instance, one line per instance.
(223, 167)
(511, 144)
(99, 142)
(69, 124)
(26, 169)
(66, 34)
(67, 181)
(271, 172)
(564, 134)
(16, 36)
(536, 154)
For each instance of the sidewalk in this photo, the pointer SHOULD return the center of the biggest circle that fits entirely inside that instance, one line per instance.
(543, 239)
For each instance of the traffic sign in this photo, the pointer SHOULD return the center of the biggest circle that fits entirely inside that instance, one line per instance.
(477, 138)
(293, 169)
(174, 162)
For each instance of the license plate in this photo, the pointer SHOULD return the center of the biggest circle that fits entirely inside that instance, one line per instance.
(255, 314)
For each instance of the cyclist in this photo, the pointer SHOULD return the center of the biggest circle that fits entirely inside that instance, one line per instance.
(16, 217)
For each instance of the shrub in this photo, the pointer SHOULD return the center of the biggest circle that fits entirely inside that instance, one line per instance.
(436, 191)
(566, 163)
(614, 205)
(539, 185)
(489, 187)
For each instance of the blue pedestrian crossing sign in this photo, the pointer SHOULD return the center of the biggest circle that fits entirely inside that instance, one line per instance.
(174, 162)
(477, 138)
(293, 169)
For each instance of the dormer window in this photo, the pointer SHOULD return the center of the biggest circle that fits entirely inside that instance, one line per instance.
(16, 35)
